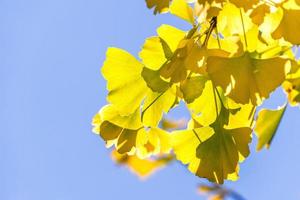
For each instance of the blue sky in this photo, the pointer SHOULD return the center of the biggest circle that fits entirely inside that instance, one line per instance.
(51, 52)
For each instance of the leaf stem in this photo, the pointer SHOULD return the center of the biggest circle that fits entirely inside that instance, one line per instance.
(197, 135)
(244, 28)
(213, 25)
(215, 99)
(143, 112)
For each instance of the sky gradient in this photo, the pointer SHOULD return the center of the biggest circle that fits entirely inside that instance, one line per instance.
(51, 52)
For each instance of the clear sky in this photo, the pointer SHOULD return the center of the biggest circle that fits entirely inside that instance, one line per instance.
(51, 52)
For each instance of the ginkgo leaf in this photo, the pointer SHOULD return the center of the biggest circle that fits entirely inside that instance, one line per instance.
(218, 150)
(153, 54)
(266, 126)
(185, 142)
(171, 35)
(181, 9)
(154, 81)
(246, 4)
(169, 53)
(244, 117)
(215, 157)
(203, 108)
(155, 105)
(162, 140)
(192, 87)
(125, 84)
(143, 168)
(111, 113)
(234, 56)
(232, 20)
(129, 135)
(219, 155)
(157, 50)
(286, 28)
(246, 78)
(160, 6)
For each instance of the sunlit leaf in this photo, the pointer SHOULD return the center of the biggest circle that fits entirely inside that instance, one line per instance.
(213, 152)
(126, 87)
(192, 88)
(247, 79)
(181, 9)
(266, 126)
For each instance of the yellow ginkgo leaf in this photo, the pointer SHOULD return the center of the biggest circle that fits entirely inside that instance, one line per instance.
(233, 20)
(111, 113)
(125, 84)
(152, 141)
(143, 168)
(181, 9)
(160, 6)
(157, 50)
(236, 53)
(286, 28)
(246, 4)
(176, 69)
(129, 135)
(155, 105)
(246, 78)
(171, 53)
(153, 55)
(171, 35)
(266, 126)
(185, 143)
(244, 117)
(203, 109)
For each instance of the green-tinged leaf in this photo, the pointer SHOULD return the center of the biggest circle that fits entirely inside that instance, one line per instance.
(185, 142)
(213, 152)
(192, 87)
(219, 155)
(266, 126)
(154, 81)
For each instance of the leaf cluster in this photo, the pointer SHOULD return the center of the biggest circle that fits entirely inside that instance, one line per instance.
(234, 56)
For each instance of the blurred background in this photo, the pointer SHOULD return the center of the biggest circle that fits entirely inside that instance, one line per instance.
(51, 52)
